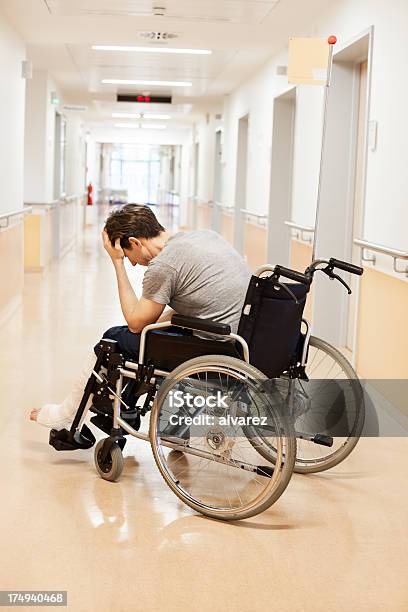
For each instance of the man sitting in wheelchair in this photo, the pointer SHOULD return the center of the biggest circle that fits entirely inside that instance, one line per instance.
(197, 273)
(300, 400)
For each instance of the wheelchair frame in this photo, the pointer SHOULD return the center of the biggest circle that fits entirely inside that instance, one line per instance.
(119, 369)
(132, 369)
(145, 373)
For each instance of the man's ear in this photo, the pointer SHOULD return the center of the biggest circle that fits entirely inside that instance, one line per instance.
(135, 242)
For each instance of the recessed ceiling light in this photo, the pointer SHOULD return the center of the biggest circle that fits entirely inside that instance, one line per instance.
(151, 83)
(153, 126)
(131, 126)
(151, 49)
(145, 126)
(148, 116)
(127, 115)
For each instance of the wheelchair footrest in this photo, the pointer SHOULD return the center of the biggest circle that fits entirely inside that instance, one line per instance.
(323, 440)
(265, 470)
(64, 440)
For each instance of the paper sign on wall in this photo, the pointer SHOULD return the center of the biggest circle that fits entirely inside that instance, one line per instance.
(308, 61)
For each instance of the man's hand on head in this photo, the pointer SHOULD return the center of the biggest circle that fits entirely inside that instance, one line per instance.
(115, 252)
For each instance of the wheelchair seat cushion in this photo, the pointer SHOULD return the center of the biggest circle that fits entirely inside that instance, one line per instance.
(168, 350)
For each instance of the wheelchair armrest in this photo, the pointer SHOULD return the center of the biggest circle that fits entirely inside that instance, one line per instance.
(196, 323)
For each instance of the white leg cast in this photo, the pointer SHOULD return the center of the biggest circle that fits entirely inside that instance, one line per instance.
(58, 416)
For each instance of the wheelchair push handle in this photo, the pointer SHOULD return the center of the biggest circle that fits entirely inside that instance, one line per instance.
(292, 275)
(344, 265)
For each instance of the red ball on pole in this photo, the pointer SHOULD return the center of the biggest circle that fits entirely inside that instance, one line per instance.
(332, 40)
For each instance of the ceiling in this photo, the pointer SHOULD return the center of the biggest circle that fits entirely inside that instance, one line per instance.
(225, 11)
(242, 35)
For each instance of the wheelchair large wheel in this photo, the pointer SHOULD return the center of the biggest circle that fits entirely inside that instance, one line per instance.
(199, 410)
(329, 404)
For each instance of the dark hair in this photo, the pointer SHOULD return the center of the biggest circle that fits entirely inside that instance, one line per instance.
(134, 220)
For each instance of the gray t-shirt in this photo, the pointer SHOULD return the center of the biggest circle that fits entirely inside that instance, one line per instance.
(199, 274)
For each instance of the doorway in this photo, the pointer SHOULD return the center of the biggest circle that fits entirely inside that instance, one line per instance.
(358, 201)
(195, 183)
(59, 156)
(136, 169)
(217, 192)
(241, 183)
(60, 127)
(280, 195)
(343, 189)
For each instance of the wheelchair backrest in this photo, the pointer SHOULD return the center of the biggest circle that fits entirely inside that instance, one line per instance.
(270, 323)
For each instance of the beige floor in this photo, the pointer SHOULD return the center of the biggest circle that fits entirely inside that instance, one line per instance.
(333, 542)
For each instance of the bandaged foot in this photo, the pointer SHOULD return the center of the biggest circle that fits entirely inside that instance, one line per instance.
(59, 416)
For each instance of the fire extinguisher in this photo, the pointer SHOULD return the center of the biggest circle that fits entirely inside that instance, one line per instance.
(90, 192)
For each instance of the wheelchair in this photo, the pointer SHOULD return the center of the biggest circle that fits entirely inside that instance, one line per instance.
(232, 416)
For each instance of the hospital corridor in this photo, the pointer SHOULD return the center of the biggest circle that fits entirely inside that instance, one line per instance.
(203, 305)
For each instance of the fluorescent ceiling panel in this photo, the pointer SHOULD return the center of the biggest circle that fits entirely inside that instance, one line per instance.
(151, 50)
(151, 83)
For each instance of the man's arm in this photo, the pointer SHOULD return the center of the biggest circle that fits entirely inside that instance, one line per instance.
(166, 315)
(138, 313)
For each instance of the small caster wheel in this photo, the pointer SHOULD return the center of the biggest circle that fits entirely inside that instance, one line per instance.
(112, 467)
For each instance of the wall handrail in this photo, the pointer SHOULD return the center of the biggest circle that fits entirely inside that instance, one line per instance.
(33, 204)
(385, 250)
(226, 207)
(68, 199)
(261, 220)
(203, 203)
(303, 229)
(14, 213)
(62, 200)
(251, 213)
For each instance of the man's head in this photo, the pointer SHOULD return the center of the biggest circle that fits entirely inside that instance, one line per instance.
(137, 228)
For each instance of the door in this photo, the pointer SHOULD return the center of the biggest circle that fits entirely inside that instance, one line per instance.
(280, 195)
(342, 191)
(358, 200)
(217, 192)
(195, 184)
(241, 183)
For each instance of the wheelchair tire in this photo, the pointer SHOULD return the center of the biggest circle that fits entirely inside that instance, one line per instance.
(237, 483)
(323, 461)
(112, 468)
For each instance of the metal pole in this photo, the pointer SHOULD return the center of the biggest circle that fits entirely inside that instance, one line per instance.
(331, 41)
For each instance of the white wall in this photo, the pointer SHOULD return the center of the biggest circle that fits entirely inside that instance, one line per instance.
(386, 208)
(205, 136)
(253, 98)
(135, 136)
(35, 138)
(39, 139)
(40, 145)
(306, 153)
(12, 53)
(185, 183)
(75, 154)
